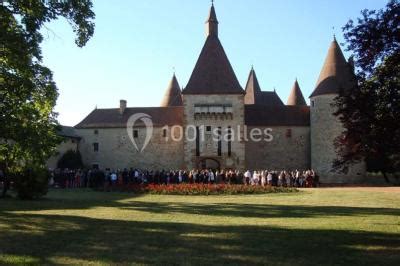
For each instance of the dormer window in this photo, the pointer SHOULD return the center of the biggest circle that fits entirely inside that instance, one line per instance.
(212, 108)
(213, 111)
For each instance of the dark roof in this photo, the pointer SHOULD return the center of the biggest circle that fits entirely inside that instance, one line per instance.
(254, 95)
(270, 98)
(257, 115)
(172, 96)
(110, 118)
(213, 73)
(336, 73)
(296, 96)
(252, 88)
(212, 16)
(69, 132)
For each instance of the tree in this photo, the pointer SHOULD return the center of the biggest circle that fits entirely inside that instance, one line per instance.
(28, 93)
(70, 159)
(370, 111)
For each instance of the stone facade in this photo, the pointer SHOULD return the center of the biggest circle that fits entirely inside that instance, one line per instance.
(116, 151)
(325, 127)
(289, 148)
(208, 147)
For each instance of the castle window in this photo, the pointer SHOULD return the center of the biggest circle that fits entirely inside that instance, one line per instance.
(95, 147)
(208, 128)
(219, 142)
(289, 133)
(135, 133)
(312, 103)
(164, 133)
(216, 109)
(228, 109)
(213, 108)
(229, 141)
(96, 132)
(197, 141)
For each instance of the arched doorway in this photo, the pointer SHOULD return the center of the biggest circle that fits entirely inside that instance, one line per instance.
(209, 163)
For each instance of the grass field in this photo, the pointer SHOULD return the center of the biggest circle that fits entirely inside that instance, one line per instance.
(316, 226)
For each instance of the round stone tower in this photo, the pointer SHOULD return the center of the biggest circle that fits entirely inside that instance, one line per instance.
(336, 74)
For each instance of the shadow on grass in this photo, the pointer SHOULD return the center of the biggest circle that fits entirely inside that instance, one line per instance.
(86, 200)
(79, 240)
(256, 210)
(60, 199)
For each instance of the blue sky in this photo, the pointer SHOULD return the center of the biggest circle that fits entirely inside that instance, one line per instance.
(137, 44)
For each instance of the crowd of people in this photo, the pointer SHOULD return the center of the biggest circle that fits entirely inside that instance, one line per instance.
(68, 178)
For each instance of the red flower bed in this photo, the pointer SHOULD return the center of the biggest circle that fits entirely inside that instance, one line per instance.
(204, 189)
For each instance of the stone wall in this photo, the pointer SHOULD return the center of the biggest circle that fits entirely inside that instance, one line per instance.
(325, 127)
(284, 151)
(208, 148)
(116, 150)
(67, 144)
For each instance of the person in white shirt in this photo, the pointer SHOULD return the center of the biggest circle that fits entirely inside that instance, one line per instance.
(256, 178)
(211, 176)
(113, 178)
(280, 179)
(247, 177)
(263, 178)
(269, 178)
(180, 176)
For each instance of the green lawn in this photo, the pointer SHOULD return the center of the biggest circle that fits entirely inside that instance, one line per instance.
(315, 226)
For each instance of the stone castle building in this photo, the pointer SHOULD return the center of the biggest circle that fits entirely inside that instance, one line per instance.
(295, 135)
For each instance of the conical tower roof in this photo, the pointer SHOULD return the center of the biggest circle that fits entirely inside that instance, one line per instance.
(172, 96)
(336, 73)
(296, 97)
(252, 88)
(212, 16)
(213, 73)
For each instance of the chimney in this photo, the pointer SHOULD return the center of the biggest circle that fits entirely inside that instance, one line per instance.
(122, 106)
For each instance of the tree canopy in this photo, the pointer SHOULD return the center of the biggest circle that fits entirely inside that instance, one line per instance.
(370, 112)
(70, 159)
(28, 93)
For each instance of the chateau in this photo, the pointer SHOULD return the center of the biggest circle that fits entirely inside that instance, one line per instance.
(300, 136)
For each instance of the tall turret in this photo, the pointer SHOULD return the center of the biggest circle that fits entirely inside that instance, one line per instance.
(213, 73)
(213, 100)
(252, 88)
(296, 96)
(212, 23)
(172, 96)
(336, 74)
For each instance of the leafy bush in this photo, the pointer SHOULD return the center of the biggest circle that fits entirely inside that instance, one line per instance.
(31, 183)
(204, 189)
(71, 160)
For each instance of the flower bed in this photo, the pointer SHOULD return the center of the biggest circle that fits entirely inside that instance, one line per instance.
(204, 189)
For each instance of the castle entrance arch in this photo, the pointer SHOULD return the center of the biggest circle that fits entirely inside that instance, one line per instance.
(209, 163)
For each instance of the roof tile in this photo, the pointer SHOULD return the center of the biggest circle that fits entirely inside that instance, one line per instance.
(111, 118)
